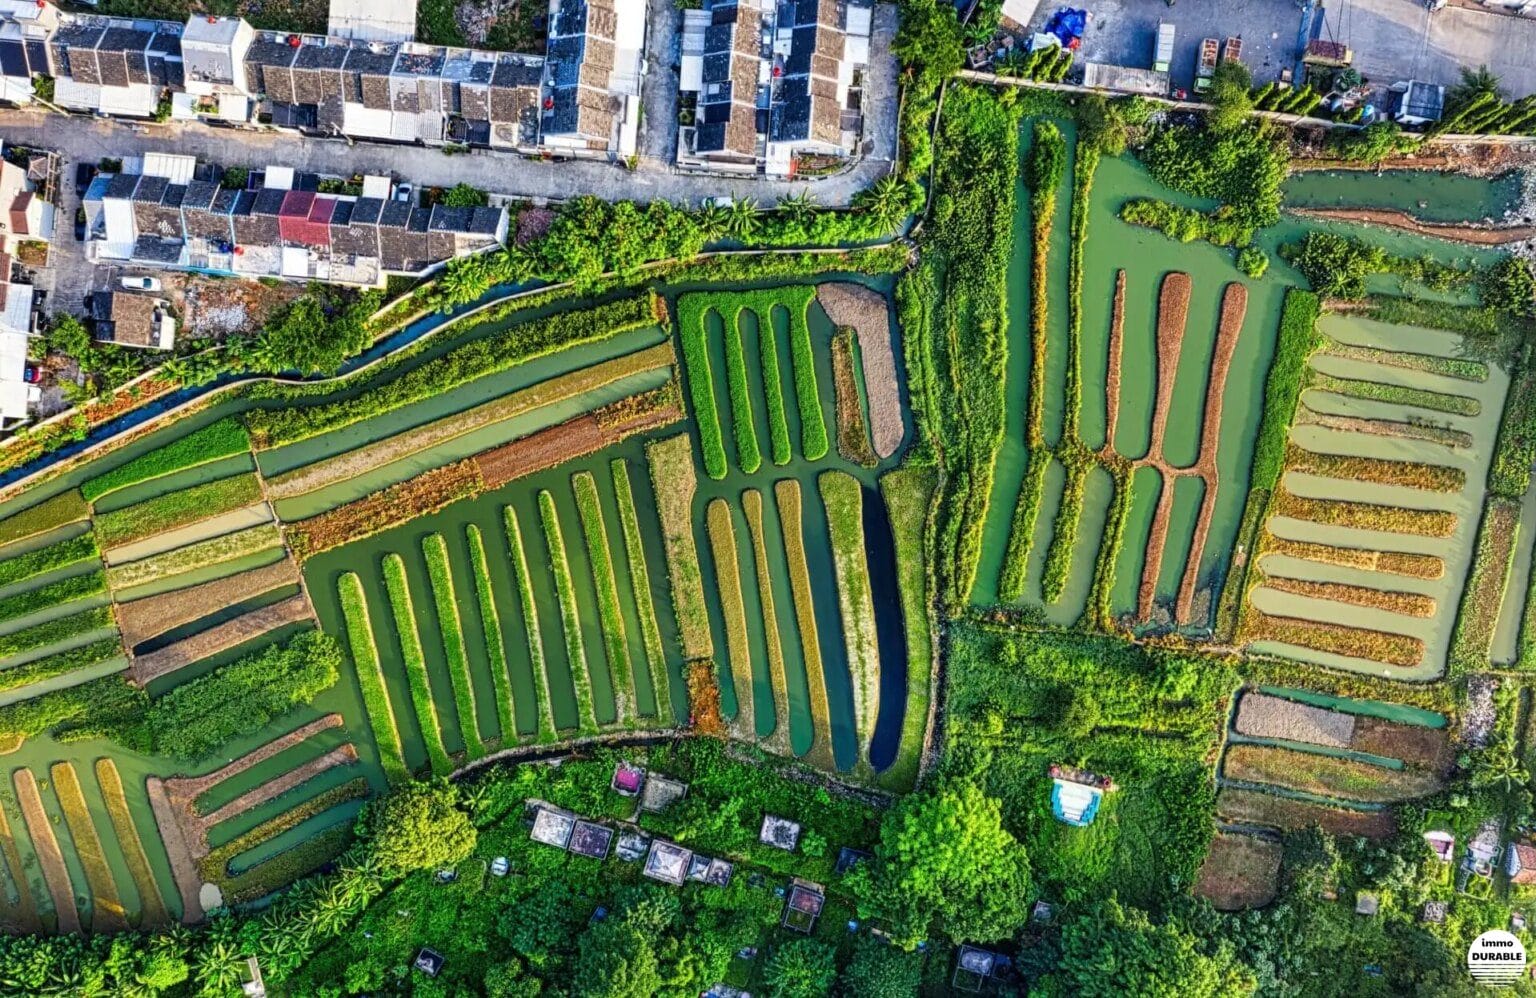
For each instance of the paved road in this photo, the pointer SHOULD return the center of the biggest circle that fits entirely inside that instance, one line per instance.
(658, 91)
(1401, 40)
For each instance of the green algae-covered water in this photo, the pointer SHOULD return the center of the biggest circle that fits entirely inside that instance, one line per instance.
(1434, 197)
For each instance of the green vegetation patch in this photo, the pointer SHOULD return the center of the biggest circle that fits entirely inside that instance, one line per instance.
(53, 594)
(435, 550)
(215, 551)
(1376, 391)
(64, 508)
(217, 440)
(674, 484)
(60, 664)
(25, 566)
(908, 495)
(400, 605)
(490, 627)
(370, 677)
(570, 614)
(1326, 775)
(843, 498)
(176, 509)
(610, 617)
(536, 661)
(640, 585)
(53, 632)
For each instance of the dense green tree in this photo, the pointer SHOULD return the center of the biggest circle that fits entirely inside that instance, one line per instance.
(616, 960)
(68, 336)
(879, 969)
(944, 855)
(419, 827)
(1109, 950)
(1474, 84)
(463, 195)
(801, 968)
(929, 42)
(316, 332)
(1230, 97)
(1372, 144)
(1101, 125)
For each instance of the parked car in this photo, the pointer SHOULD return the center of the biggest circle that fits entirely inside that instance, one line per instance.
(403, 192)
(140, 283)
(84, 174)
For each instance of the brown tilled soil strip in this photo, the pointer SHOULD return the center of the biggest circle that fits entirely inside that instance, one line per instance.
(341, 755)
(1442, 435)
(142, 619)
(1112, 371)
(867, 313)
(189, 788)
(1156, 539)
(152, 912)
(22, 916)
(1476, 235)
(1234, 307)
(55, 873)
(1408, 604)
(1172, 311)
(556, 445)
(167, 660)
(183, 866)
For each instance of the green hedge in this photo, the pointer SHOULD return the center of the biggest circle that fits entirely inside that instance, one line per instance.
(370, 678)
(701, 389)
(610, 615)
(476, 359)
(176, 509)
(102, 708)
(1377, 391)
(773, 388)
(215, 866)
(435, 550)
(1514, 454)
(490, 626)
(415, 664)
(640, 588)
(54, 593)
(1282, 386)
(199, 717)
(813, 427)
(64, 508)
(54, 556)
(545, 706)
(53, 631)
(1187, 224)
(1069, 514)
(570, 615)
(60, 664)
(1021, 533)
(217, 440)
(748, 455)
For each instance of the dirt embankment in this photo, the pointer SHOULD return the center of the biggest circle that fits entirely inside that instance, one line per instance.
(1459, 232)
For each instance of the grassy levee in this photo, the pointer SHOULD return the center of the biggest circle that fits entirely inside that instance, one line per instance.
(55, 631)
(1407, 360)
(908, 496)
(1364, 515)
(570, 615)
(1376, 391)
(415, 664)
(813, 425)
(49, 857)
(370, 678)
(610, 616)
(786, 495)
(1353, 467)
(701, 391)
(1413, 566)
(640, 586)
(843, 498)
(107, 912)
(176, 509)
(60, 664)
(279, 870)
(1295, 341)
(738, 653)
(215, 551)
(152, 910)
(1326, 775)
(1487, 584)
(63, 591)
(674, 484)
(435, 550)
(490, 626)
(853, 439)
(778, 739)
(50, 514)
(1021, 531)
(773, 386)
(22, 916)
(1393, 601)
(1335, 639)
(22, 567)
(545, 706)
(225, 438)
(749, 455)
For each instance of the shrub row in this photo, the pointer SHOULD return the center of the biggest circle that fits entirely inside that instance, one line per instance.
(107, 914)
(674, 485)
(396, 585)
(176, 509)
(701, 389)
(1408, 604)
(545, 706)
(293, 863)
(1376, 391)
(1294, 344)
(1448, 367)
(152, 911)
(1335, 639)
(1021, 532)
(50, 514)
(34, 563)
(1514, 451)
(722, 545)
(1414, 566)
(749, 457)
(1487, 585)
(53, 594)
(214, 551)
(1326, 775)
(487, 355)
(54, 631)
(224, 438)
(773, 387)
(1047, 165)
(60, 664)
(776, 740)
(640, 586)
(843, 498)
(852, 433)
(198, 717)
(370, 678)
(1069, 514)
(490, 626)
(1353, 467)
(786, 495)
(1186, 225)
(570, 614)
(1365, 515)
(1429, 433)
(609, 614)
(435, 551)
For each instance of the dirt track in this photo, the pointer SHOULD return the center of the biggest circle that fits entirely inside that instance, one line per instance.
(1473, 235)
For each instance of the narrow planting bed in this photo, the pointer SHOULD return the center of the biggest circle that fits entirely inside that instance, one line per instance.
(1252, 807)
(1408, 604)
(107, 913)
(1364, 515)
(580, 436)
(546, 709)
(609, 615)
(49, 856)
(440, 576)
(787, 496)
(415, 664)
(674, 484)
(640, 587)
(1445, 436)
(1409, 565)
(194, 556)
(778, 739)
(490, 627)
(853, 441)
(66, 590)
(843, 497)
(20, 568)
(868, 315)
(1262, 716)
(1376, 391)
(1354, 468)
(60, 664)
(246, 627)
(176, 509)
(217, 440)
(1326, 775)
(372, 514)
(722, 545)
(142, 619)
(152, 910)
(271, 790)
(1488, 584)
(570, 614)
(50, 514)
(1335, 639)
(370, 677)
(234, 521)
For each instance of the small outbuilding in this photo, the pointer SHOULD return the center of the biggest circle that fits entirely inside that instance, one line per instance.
(803, 905)
(429, 961)
(661, 792)
(553, 827)
(781, 833)
(1367, 903)
(847, 859)
(1520, 864)
(632, 846)
(627, 780)
(719, 873)
(668, 862)
(1414, 102)
(1433, 912)
(591, 840)
(972, 968)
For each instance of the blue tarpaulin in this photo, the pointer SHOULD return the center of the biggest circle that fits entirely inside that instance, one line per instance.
(1068, 23)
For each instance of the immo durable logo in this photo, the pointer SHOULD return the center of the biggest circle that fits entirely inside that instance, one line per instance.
(1496, 957)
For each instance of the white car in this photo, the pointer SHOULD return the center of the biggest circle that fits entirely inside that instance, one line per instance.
(140, 283)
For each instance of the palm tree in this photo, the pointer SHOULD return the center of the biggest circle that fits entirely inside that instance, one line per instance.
(332, 911)
(1474, 83)
(797, 208)
(886, 201)
(741, 218)
(218, 967)
(713, 220)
